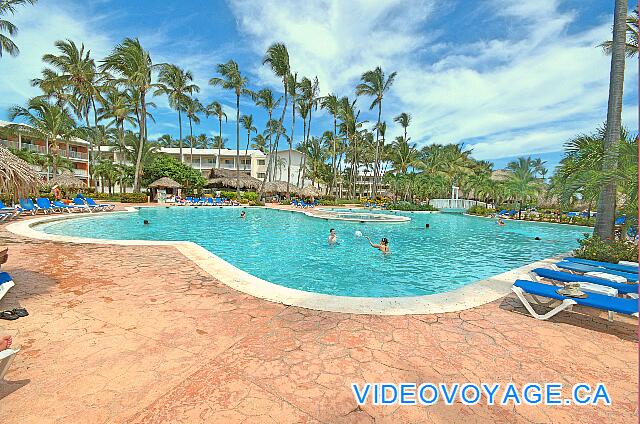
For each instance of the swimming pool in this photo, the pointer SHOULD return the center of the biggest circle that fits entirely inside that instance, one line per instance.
(290, 249)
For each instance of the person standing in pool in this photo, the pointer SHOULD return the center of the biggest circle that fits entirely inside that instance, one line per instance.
(332, 236)
(383, 246)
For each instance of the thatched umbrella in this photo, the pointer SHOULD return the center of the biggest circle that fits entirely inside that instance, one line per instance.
(164, 182)
(17, 178)
(280, 187)
(228, 178)
(67, 180)
(310, 191)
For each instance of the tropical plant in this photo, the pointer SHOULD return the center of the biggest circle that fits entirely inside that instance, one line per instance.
(219, 143)
(233, 80)
(215, 109)
(6, 43)
(192, 108)
(118, 109)
(247, 124)
(264, 98)
(259, 143)
(163, 165)
(331, 103)
(522, 183)
(177, 85)
(607, 199)
(133, 67)
(404, 119)
(166, 140)
(375, 84)
(46, 121)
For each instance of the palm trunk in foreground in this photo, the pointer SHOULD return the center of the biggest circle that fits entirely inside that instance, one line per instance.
(143, 132)
(607, 201)
(375, 166)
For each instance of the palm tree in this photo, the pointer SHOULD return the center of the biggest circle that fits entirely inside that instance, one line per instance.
(52, 86)
(331, 103)
(6, 44)
(202, 141)
(176, 84)
(192, 108)
(48, 122)
(78, 74)
(219, 143)
(522, 182)
(631, 45)
(165, 141)
(374, 84)
(293, 87)
(404, 119)
(247, 124)
(607, 200)
(117, 107)
(259, 143)
(277, 57)
(134, 67)
(265, 99)
(215, 109)
(232, 79)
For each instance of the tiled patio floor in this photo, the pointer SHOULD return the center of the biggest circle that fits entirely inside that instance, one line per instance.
(140, 334)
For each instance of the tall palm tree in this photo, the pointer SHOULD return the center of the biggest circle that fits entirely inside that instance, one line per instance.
(264, 98)
(277, 57)
(331, 103)
(215, 109)
(192, 108)
(52, 86)
(9, 7)
(374, 84)
(247, 124)
(166, 140)
(404, 119)
(76, 72)
(232, 79)
(219, 143)
(202, 141)
(607, 200)
(134, 68)
(293, 87)
(177, 85)
(522, 182)
(118, 108)
(47, 121)
(259, 143)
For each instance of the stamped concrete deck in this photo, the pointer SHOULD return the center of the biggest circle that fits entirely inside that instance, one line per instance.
(142, 334)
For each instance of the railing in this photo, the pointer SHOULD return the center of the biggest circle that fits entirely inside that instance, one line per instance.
(458, 204)
(74, 155)
(70, 154)
(80, 173)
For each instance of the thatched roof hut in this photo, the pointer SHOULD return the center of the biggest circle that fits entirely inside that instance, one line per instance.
(68, 180)
(164, 182)
(17, 178)
(280, 187)
(310, 191)
(229, 178)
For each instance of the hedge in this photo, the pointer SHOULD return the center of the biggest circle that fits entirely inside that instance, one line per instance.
(133, 198)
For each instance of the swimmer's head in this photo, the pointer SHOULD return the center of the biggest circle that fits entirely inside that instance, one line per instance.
(426, 225)
(384, 241)
(332, 231)
(145, 222)
(537, 238)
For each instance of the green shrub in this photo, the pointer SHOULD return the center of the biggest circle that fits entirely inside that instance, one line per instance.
(480, 210)
(596, 249)
(406, 206)
(106, 196)
(228, 194)
(251, 196)
(133, 198)
(255, 203)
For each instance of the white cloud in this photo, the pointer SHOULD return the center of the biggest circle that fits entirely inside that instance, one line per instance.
(39, 27)
(523, 91)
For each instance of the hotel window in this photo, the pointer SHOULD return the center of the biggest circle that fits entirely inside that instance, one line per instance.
(261, 161)
(246, 161)
(261, 174)
(228, 161)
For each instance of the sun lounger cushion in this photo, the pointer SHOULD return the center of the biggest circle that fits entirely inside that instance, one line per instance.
(593, 300)
(608, 265)
(566, 277)
(577, 267)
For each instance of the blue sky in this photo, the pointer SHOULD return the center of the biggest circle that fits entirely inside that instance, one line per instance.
(506, 77)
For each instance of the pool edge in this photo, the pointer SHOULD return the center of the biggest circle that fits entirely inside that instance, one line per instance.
(466, 297)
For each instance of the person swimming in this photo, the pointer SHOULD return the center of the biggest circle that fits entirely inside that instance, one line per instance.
(383, 246)
(332, 236)
(145, 222)
(426, 226)
(243, 214)
(500, 222)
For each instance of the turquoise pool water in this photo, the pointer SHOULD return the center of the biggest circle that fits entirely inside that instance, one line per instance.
(291, 249)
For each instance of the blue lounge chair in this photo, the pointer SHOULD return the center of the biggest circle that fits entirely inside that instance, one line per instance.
(608, 265)
(582, 268)
(621, 220)
(593, 300)
(12, 212)
(45, 205)
(81, 205)
(567, 277)
(104, 206)
(64, 207)
(28, 206)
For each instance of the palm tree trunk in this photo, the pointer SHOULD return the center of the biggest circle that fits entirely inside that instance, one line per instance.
(304, 132)
(293, 127)
(190, 142)
(220, 140)
(268, 171)
(238, 146)
(335, 140)
(180, 126)
(375, 167)
(605, 218)
(143, 132)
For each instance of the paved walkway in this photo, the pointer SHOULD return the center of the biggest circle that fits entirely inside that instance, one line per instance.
(140, 334)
